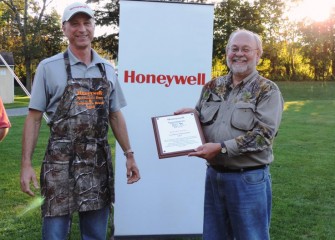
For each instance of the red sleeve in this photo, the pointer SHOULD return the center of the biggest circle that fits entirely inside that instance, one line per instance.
(4, 121)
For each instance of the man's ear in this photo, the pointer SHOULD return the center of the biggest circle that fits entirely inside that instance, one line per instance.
(258, 56)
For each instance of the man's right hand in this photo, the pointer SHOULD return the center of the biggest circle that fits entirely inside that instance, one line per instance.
(29, 140)
(28, 175)
(185, 110)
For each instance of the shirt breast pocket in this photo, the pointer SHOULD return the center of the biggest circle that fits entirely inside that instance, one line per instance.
(243, 117)
(209, 112)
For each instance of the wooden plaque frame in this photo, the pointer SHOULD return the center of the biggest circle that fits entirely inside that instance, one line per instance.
(185, 130)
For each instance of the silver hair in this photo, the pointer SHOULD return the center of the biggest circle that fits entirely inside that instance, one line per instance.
(257, 38)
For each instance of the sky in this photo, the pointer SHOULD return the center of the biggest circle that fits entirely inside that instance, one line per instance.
(317, 10)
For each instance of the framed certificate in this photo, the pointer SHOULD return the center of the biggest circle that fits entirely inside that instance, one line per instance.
(177, 135)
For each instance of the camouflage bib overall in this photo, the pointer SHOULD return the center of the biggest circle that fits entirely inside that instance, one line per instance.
(77, 171)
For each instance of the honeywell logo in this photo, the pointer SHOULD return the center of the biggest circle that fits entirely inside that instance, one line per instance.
(166, 80)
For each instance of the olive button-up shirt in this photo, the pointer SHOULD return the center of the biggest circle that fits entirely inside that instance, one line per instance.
(245, 117)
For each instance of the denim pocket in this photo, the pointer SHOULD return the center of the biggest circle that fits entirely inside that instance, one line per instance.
(254, 177)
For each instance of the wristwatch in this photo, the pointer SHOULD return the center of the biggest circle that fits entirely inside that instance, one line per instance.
(223, 148)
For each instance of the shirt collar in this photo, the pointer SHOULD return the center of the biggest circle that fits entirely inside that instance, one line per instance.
(74, 60)
(245, 80)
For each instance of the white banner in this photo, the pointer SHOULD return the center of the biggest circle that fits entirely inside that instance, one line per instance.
(165, 55)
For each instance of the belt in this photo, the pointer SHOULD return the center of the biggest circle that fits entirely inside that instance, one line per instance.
(223, 169)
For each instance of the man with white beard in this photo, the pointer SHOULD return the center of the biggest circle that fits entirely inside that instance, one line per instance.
(240, 114)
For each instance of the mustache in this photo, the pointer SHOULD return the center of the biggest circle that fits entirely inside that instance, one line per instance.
(239, 58)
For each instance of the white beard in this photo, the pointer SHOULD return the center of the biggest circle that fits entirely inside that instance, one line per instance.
(237, 68)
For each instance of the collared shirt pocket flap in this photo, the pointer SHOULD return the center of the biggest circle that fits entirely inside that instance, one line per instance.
(215, 98)
(209, 112)
(243, 117)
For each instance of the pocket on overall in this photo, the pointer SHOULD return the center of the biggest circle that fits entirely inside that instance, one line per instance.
(54, 177)
(59, 151)
(55, 187)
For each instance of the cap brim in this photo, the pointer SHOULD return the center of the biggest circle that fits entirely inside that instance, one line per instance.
(69, 17)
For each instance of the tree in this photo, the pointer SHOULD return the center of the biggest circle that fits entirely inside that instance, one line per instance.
(260, 16)
(318, 44)
(33, 31)
(289, 49)
(108, 15)
(271, 12)
(331, 29)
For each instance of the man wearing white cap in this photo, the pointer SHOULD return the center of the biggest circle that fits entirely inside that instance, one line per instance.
(80, 93)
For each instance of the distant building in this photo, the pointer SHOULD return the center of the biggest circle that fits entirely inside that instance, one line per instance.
(6, 78)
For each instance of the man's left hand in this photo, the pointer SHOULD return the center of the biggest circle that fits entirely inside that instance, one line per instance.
(133, 174)
(207, 151)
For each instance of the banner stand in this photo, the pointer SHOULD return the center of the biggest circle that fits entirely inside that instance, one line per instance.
(161, 237)
(165, 57)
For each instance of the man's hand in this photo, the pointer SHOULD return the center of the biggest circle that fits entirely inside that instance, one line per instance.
(185, 110)
(29, 139)
(28, 175)
(133, 174)
(207, 151)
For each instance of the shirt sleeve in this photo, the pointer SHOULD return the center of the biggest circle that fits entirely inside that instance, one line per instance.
(38, 98)
(268, 115)
(117, 98)
(4, 121)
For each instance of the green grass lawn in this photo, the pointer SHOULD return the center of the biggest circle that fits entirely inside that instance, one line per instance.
(20, 100)
(302, 173)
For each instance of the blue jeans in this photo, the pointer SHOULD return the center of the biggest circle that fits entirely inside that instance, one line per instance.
(237, 205)
(93, 225)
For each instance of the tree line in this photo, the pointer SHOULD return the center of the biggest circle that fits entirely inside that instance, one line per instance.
(293, 51)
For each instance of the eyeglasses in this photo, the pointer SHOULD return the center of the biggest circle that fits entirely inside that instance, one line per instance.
(245, 50)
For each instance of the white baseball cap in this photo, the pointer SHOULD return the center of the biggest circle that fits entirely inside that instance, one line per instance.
(75, 8)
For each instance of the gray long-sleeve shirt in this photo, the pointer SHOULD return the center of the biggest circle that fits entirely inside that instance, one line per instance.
(245, 117)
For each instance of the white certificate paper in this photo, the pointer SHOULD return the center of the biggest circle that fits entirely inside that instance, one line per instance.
(177, 135)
